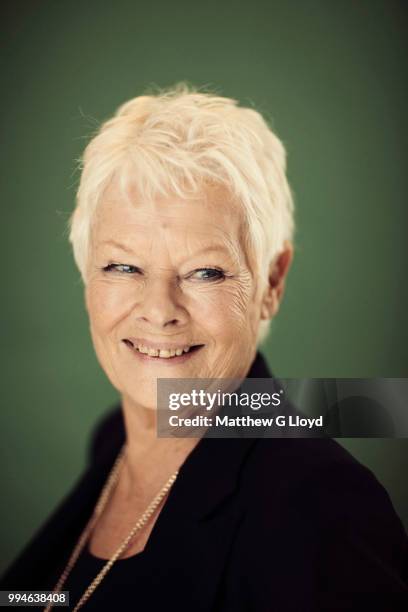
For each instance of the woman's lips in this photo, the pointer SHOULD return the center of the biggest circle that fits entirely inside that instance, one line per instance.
(167, 360)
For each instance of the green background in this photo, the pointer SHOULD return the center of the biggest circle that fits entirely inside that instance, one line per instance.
(329, 74)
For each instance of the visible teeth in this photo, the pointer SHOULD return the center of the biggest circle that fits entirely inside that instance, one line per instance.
(163, 353)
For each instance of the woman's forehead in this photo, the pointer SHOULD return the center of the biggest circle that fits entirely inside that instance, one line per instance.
(203, 219)
(211, 196)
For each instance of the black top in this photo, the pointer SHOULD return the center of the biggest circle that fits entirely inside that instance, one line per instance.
(128, 585)
(282, 525)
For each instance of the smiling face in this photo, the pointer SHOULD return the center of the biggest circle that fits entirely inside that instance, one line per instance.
(170, 292)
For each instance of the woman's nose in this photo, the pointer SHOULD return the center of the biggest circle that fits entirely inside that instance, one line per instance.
(160, 305)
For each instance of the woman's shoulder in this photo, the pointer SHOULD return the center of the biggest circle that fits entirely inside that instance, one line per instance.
(329, 522)
(316, 471)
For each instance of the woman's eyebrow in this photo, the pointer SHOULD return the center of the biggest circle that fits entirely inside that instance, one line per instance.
(117, 245)
(206, 250)
(219, 248)
(231, 255)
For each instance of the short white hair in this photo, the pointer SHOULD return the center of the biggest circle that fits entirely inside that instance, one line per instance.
(174, 143)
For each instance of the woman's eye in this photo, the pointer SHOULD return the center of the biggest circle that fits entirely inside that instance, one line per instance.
(207, 274)
(122, 268)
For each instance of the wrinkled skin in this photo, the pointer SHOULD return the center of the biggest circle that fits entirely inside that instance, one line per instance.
(161, 297)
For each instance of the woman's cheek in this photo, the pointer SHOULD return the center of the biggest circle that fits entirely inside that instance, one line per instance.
(222, 308)
(110, 303)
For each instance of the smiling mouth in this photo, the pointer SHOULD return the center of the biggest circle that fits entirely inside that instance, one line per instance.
(162, 353)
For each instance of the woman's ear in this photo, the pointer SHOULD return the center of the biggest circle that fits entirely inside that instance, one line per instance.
(276, 282)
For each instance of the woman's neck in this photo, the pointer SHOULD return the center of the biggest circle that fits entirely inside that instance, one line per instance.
(149, 460)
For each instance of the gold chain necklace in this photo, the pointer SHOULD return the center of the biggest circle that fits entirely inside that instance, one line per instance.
(83, 538)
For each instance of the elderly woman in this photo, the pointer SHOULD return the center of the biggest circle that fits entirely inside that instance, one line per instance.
(182, 233)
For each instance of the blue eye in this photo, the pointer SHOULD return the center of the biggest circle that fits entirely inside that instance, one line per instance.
(201, 274)
(207, 274)
(121, 268)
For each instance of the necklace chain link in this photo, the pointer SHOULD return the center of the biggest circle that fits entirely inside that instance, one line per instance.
(83, 538)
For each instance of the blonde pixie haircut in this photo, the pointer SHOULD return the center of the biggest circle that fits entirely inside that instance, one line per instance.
(175, 143)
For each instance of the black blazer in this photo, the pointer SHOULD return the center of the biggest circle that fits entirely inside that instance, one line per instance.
(265, 525)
